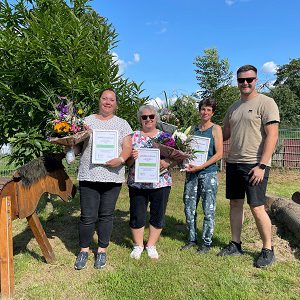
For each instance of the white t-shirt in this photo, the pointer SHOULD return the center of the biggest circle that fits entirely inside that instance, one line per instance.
(101, 173)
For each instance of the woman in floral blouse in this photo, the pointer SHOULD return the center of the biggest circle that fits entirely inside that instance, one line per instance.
(142, 193)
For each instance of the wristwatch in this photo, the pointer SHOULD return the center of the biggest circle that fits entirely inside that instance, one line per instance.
(262, 166)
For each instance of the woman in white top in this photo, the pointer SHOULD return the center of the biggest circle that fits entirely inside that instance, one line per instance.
(100, 185)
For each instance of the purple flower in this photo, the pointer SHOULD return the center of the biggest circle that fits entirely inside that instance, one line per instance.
(61, 115)
(63, 108)
(170, 143)
(164, 136)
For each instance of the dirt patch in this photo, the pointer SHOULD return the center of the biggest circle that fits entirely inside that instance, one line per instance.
(286, 247)
(281, 175)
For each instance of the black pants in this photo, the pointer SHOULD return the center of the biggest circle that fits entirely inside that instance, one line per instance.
(97, 203)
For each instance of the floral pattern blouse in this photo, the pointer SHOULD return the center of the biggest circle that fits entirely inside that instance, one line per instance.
(140, 141)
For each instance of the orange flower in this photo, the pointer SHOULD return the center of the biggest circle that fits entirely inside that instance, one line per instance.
(62, 127)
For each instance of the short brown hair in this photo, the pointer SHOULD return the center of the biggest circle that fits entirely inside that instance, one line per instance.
(246, 68)
(208, 102)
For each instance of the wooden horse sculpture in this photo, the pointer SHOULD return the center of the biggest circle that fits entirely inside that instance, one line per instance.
(19, 198)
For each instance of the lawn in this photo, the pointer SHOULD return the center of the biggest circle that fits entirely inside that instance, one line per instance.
(176, 275)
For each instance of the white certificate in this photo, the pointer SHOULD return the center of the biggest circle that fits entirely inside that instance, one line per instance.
(105, 146)
(147, 166)
(200, 145)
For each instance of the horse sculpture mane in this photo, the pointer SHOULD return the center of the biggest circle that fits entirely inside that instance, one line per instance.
(38, 168)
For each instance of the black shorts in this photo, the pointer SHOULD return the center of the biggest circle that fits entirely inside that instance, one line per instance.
(139, 199)
(237, 184)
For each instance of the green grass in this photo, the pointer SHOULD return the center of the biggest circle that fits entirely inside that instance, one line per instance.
(176, 275)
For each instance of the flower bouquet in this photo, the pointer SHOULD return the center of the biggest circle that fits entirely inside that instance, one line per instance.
(67, 127)
(174, 147)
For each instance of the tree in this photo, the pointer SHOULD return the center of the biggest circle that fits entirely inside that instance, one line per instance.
(186, 111)
(52, 48)
(288, 105)
(214, 79)
(224, 97)
(286, 93)
(289, 75)
(212, 72)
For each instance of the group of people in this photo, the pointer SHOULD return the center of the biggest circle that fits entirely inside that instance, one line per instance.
(251, 124)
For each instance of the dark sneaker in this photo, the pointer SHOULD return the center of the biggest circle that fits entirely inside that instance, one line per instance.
(81, 260)
(231, 249)
(100, 261)
(203, 249)
(265, 258)
(188, 245)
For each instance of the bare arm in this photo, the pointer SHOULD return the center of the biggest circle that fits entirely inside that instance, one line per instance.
(269, 147)
(226, 132)
(133, 156)
(270, 142)
(125, 154)
(127, 147)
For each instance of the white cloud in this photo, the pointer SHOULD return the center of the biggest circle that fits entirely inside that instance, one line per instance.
(136, 57)
(160, 25)
(271, 84)
(269, 67)
(157, 102)
(123, 64)
(172, 100)
(162, 30)
(230, 2)
(266, 86)
(161, 103)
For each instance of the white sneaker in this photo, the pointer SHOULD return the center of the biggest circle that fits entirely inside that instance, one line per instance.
(152, 253)
(137, 252)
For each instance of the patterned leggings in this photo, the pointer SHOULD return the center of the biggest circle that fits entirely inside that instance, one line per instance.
(205, 186)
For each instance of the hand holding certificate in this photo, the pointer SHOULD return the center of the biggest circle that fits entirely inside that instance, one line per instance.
(200, 147)
(147, 166)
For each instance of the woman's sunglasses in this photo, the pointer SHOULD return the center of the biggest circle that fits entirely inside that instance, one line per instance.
(145, 117)
(249, 79)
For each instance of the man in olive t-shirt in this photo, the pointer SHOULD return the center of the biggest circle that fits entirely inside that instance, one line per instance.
(251, 123)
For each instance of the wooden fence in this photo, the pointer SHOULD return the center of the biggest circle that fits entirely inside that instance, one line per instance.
(286, 155)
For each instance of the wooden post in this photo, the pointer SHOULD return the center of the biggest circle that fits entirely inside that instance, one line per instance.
(40, 235)
(6, 249)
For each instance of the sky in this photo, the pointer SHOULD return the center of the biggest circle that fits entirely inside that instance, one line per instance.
(160, 39)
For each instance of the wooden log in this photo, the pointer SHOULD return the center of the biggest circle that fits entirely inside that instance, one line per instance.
(6, 249)
(40, 235)
(287, 213)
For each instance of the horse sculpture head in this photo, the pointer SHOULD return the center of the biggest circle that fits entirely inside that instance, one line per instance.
(42, 175)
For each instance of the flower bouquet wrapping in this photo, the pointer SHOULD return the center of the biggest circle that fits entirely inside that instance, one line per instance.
(174, 147)
(67, 127)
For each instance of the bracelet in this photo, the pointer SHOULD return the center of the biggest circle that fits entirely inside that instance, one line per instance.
(122, 160)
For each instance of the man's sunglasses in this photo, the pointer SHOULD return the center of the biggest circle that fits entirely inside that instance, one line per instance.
(145, 117)
(249, 79)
